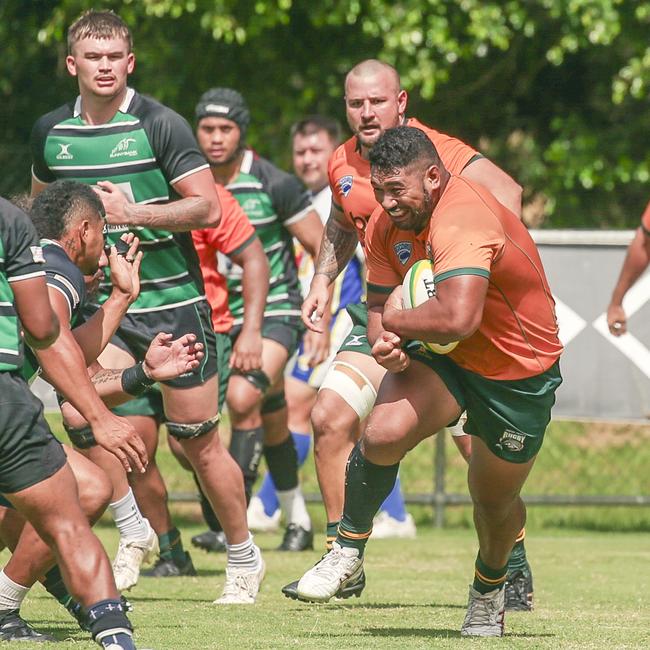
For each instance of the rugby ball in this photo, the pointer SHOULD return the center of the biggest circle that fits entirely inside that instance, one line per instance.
(418, 287)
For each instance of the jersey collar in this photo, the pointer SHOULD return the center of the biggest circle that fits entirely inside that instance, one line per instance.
(124, 106)
(246, 162)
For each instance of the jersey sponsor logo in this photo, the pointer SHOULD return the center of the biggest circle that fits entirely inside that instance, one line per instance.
(403, 250)
(345, 184)
(37, 254)
(64, 154)
(123, 148)
(251, 205)
(511, 440)
(356, 339)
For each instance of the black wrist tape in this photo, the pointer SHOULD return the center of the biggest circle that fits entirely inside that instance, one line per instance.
(135, 381)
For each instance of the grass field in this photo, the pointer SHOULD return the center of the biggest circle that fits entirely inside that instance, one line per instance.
(590, 592)
(591, 567)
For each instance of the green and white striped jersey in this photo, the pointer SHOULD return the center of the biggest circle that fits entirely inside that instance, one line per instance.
(144, 150)
(272, 200)
(21, 258)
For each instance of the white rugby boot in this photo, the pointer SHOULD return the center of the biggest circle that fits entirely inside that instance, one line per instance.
(484, 613)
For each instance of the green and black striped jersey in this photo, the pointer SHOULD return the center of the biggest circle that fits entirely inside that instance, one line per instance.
(144, 150)
(272, 200)
(21, 258)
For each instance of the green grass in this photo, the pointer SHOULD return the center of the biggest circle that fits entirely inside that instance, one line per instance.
(591, 567)
(590, 593)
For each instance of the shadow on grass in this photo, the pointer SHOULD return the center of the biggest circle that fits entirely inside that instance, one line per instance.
(418, 632)
(362, 605)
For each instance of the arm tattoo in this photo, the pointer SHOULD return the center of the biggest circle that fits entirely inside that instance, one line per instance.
(336, 249)
(105, 375)
(186, 214)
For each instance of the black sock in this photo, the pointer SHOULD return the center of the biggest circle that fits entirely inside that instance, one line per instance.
(246, 448)
(53, 583)
(366, 487)
(282, 461)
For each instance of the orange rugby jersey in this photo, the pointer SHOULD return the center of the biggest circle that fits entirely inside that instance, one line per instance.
(232, 235)
(349, 174)
(470, 232)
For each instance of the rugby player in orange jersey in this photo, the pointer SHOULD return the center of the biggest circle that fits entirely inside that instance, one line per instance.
(636, 262)
(375, 102)
(493, 297)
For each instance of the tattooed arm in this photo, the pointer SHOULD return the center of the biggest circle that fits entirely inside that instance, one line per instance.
(337, 247)
(200, 207)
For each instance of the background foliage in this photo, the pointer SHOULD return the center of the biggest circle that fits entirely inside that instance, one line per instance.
(556, 91)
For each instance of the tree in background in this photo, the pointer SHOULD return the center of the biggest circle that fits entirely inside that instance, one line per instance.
(555, 91)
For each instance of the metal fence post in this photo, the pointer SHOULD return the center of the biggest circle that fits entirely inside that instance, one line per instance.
(439, 480)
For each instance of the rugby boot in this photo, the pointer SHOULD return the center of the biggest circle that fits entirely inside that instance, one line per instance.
(296, 538)
(338, 569)
(242, 584)
(171, 569)
(519, 590)
(131, 555)
(15, 628)
(210, 541)
(484, 613)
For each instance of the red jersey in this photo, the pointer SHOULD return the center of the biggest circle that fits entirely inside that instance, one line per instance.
(232, 235)
(349, 174)
(471, 233)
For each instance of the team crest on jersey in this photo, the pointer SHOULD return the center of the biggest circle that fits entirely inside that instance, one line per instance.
(123, 148)
(403, 250)
(511, 440)
(345, 185)
(64, 154)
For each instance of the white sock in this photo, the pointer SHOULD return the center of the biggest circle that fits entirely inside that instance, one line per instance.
(243, 555)
(11, 593)
(293, 507)
(128, 518)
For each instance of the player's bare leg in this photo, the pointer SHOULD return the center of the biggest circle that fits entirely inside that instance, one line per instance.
(151, 495)
(191, 417)
(83, 562)
(396, 425)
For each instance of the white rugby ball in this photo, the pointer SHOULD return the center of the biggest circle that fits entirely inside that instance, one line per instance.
(418, 287)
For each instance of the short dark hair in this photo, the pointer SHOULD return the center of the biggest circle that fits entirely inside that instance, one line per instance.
(98, 24)
(56, 207)
(401, 146)
(316, 123)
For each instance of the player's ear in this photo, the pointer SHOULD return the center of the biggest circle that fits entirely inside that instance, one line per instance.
(432, 177)
(402, 100)
(71, 65)
(130, 63)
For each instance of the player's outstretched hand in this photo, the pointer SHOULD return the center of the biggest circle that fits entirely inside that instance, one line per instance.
(388, 352)
(616, 320)
(117, 435)
(124, 262)
(167, 359)
(114, 201)
(316, 303)
(247, 351)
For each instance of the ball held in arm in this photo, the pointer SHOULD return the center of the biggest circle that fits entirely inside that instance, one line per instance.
(418, 287)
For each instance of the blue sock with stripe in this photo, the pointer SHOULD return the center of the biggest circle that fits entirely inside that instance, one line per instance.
(266, 493)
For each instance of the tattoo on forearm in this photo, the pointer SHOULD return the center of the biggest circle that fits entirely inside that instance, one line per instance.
(106, 375)
(336, 249)
(186, 214)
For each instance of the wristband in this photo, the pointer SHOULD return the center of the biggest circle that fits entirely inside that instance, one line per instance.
(135, 380)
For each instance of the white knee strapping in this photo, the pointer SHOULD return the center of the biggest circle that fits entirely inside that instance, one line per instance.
(360, 398)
